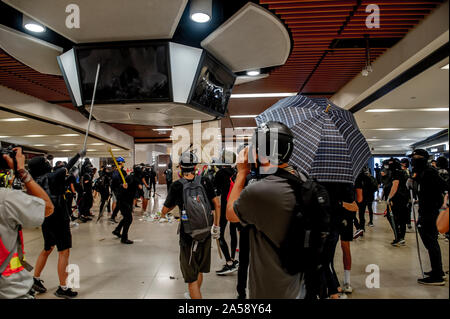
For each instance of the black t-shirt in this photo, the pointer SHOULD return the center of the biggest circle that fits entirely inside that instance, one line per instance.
(175, 198)
(69, 181)
(402, 191)
(364, 182)
(117, 180)
(127, 195)
(339, 193)
(222, 182)
(431, 192)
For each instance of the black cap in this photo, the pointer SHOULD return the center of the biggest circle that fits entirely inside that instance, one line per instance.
(404, 160)
(420, 152)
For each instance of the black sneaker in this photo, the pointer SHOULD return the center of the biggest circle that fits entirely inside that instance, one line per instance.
(358, 233)
(38, 286)
(430, 273)
(116, 233)
(395, 243)
(431, 281)
(113, 220)
(236, 264)
(67, 294)
(127, 241)
(227, 269)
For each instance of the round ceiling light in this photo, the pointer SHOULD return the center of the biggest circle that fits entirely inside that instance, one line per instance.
(201, 10)
(33, 27)
(253, 73)
(200, 17)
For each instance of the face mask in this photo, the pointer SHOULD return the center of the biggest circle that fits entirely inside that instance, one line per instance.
(386, 166)
(419, 163)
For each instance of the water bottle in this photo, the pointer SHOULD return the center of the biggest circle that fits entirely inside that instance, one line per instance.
(185, 221)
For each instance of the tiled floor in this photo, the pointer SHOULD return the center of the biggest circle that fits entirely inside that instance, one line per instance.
(150, 269)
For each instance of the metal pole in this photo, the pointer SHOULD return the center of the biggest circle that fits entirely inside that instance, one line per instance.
(415, 227)
(92, 106)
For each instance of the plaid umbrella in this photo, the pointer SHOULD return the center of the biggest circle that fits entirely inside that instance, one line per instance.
(328, 143)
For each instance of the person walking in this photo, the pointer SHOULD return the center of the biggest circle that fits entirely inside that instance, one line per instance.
(431, 192)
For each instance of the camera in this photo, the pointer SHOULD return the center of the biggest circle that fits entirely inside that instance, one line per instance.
(6, 151)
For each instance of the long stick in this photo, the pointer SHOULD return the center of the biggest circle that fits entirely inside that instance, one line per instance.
(415, 227)
(92, 106)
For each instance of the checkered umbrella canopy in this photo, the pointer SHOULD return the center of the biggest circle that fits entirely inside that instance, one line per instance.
(328, 143)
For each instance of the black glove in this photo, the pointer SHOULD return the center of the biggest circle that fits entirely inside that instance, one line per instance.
(82, 153)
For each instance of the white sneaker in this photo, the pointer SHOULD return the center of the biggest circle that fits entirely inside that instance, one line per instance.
(74, 224)
(163, 220)
(347, 289)
(187, 295)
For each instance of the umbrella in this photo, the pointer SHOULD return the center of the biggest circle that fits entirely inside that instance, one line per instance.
(328, 143)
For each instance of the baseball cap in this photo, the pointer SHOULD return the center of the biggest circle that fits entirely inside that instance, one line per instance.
(420, 152)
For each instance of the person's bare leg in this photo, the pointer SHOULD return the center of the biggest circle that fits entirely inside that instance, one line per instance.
(41, 261)
(113, 206)
(346, 255)
(144, 205)
(63, 261)
(194, 290)
(200, 280)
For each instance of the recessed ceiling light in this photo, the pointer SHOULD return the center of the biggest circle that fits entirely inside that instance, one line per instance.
(116, 149)
(200, 11)
(65, 150)
(69, 135)
(69, 144)
(253, 73)
(445, 67)
(256, 95)
(90, 150)
(14, 119)
(33, 27)
(34, 135)
(97, 144)
(39, 145)
(200, 17)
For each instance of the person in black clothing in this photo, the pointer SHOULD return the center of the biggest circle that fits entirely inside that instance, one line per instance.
(56, 228)
(386, 179)
(87, 199)
(125, 202)
(377, 170)
(222, 181)
(71, 181)
(102, 186)
(168, 174)
(194, 261)
(431, 190)
(116, 183)
(398, 198)
(367, 183)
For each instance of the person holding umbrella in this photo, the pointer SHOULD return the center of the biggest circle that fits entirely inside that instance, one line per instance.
(431, 190)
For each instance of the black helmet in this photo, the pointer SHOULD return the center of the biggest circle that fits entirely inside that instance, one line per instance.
(188, 160)
(284, 141)
(394, 164)
(442, 162)
(405, 161)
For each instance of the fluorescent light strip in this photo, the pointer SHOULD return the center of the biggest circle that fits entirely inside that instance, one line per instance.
(69, 135)
(4, 136)
(431, 109)
(242, 116)
(36, 135)
(68, 144)
(14, 119)
(162, 129)
(257, 95)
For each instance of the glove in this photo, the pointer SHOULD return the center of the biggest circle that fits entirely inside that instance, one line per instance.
(215, 232)
(82, 153)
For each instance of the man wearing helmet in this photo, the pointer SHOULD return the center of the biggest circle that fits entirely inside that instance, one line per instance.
(115, 187)
(267, 205)
(195, 256)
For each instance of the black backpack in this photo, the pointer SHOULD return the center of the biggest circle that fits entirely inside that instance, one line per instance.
(43, 182)
(198, 210)
(302, 249)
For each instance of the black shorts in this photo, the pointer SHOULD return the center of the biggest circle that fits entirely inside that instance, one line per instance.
(346, 226)
(200, 262)
(57, 233)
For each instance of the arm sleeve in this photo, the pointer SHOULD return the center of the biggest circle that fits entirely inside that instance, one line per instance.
(175, 191)
(244, 208)
(23, 209)
(209, 187)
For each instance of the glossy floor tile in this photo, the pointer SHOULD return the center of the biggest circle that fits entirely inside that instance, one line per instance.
(150, 268)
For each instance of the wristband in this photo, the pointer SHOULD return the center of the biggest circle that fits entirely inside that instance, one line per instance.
(24, 176)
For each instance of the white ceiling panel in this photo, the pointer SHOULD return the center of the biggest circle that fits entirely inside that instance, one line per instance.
(107, 20)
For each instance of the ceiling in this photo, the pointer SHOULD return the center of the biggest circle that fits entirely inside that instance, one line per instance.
(328, 50)
(50, 138)
(426, 91)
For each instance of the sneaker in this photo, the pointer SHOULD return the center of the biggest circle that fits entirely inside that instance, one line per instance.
(163, 220)
(340, 296)
(67, 294)
(187, 295)
(38, 286)
(358, 233)
(74, 224)
(82, 219)
(370, 224)
(431, 281)
(395, 243)
(429, 273)
(236, 264)
(127, 241)
(116, 233)
(347, 289)
(227, 269)
(113, 220)
(402, 242)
